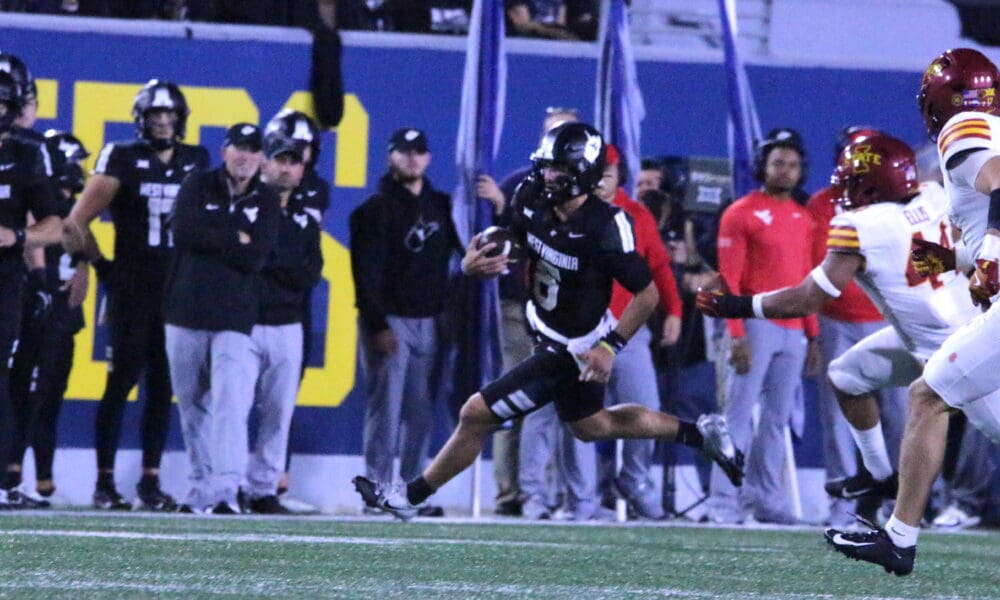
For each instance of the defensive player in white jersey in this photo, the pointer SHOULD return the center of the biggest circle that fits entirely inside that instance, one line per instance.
(873, 245)
(959, 98)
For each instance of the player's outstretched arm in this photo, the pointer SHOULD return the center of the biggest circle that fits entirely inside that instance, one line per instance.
(477, 264)
(825, 282)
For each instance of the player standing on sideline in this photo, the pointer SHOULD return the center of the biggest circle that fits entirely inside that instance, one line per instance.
(138, 180)
(578, 245)
(44, 357)
(959, 99)
(25, 187)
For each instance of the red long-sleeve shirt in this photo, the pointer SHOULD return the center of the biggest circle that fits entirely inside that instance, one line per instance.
(650, 246)
(764, 245)
(853, 305)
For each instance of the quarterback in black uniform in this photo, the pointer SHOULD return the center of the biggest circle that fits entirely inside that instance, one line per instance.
(138, 180)
(577, 246)
(25, 186)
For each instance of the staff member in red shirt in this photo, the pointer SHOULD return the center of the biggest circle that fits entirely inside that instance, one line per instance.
(765, 243)
(843, 322)
(633, 376)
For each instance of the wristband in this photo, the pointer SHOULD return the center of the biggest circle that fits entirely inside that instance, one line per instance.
(20, 236)
(614, 342)
(757, 305)
(736, 307)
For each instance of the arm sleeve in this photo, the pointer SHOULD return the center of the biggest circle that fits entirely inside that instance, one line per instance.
(41, 191)
(190, 229)
(656, 255)
(732, 259)
(369, 251)
(619, 257)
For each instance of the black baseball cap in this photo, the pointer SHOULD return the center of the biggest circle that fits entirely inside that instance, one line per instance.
(408, 139)
(243, 134)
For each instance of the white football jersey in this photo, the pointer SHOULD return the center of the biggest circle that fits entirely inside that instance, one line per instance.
(924, 311)
(969, 208)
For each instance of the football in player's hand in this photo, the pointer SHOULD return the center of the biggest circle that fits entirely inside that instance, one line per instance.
(504, 240)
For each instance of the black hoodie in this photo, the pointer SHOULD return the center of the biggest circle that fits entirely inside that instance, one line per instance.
(400, 248)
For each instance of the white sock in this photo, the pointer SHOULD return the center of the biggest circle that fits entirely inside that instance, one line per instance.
(871, 443)
(903, 535)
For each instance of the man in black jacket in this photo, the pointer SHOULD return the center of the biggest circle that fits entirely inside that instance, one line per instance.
(291, 271)
(402, 238)
(225, 223)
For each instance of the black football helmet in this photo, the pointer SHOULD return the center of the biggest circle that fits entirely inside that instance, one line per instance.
(10, 94)
(291, 131)
(580, 149)
(10, 63)
(69, 170)
(160, 95)
(298, 125)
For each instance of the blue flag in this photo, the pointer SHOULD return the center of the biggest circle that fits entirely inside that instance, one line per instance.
(477, 311)
(744, 127)
(618, 107)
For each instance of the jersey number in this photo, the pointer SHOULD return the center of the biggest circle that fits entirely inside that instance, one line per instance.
(159, 212)
(546, 288)
(912, 277)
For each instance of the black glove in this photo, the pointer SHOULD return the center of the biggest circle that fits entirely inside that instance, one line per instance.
(39, 293)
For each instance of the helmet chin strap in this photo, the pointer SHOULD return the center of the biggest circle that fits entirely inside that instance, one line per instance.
(160, 144)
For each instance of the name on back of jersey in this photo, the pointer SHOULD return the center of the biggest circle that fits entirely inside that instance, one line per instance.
(553, 256)
(916, 215)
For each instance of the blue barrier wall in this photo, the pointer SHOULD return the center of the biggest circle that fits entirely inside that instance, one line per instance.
(88, 77)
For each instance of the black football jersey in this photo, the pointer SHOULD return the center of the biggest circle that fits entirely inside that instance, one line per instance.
(574, 263)
(141, 208)
(313, 194)
(25, 186)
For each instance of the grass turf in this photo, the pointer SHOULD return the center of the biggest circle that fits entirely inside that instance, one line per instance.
(74, 556)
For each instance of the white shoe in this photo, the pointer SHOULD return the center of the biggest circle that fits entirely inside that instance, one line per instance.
(391, 499)
(954, 517)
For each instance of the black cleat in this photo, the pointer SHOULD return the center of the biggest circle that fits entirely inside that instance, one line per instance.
(267, 505)
(718, 446)
(110, 500)
(874, 546)
(224, 508)
(391, 499)
(18, 500)
(863, 485)
(154, 499)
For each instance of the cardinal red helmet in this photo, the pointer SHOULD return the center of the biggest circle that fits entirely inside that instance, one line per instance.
(876, 168)
(957, 81)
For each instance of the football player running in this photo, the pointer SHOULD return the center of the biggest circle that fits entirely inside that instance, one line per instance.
(578, 246)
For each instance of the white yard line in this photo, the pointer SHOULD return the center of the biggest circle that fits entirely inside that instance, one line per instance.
(256, 538)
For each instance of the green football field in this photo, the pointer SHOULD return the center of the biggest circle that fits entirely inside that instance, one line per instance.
(85, 555)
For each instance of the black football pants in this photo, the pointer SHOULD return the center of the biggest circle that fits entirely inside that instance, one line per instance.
(138, 348)
(10, 324)
(38, 382)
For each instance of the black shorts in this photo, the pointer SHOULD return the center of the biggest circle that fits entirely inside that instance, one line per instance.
(548, 375)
